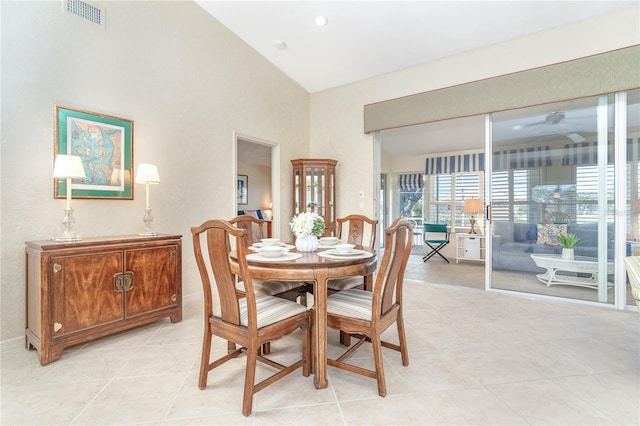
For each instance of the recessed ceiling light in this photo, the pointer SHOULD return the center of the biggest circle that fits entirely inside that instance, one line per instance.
(280, 44)
(321, 21)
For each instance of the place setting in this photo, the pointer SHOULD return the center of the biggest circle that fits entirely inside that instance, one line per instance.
(272, 250)
(328, 242)
(345, 251)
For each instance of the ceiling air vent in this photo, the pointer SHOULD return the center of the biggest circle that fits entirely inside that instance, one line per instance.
(85, 11)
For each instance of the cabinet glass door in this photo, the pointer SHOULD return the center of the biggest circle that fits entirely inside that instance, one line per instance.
(315, 184)
(330, 219)
(296, 191)
(314, 189)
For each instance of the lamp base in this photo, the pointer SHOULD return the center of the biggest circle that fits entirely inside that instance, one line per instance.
(148, 234)
(68, 235)
(68, 238)
(148, 220)
(472, 221)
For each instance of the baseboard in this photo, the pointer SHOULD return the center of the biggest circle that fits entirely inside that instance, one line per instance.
(11, 344)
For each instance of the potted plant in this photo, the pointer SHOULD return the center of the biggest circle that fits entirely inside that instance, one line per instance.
(568, 242)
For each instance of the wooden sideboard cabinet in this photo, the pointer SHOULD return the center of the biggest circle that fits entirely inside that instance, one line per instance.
(80, 291)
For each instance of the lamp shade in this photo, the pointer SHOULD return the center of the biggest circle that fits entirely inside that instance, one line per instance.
(147, 173)
(68, 166)
(472, 205)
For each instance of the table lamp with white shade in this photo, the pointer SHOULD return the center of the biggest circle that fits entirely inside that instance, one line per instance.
(147, 174)
(473, 206)
(68, 167)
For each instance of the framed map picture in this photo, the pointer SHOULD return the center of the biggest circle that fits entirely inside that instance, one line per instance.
(105, 145)
(242, 190)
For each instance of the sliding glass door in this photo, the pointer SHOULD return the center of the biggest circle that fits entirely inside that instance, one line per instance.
(553, 184)
(548, 174)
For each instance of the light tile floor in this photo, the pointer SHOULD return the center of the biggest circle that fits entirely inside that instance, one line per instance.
(475, 358)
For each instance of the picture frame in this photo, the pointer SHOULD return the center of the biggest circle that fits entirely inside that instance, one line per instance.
(105, 145)
(242, 189)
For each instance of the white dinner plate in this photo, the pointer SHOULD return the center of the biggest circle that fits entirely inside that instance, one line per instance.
(335, 252)
(257, 257)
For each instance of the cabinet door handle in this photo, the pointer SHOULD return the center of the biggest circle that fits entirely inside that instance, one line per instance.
(118, 285)
(127, 281)
(57, 267)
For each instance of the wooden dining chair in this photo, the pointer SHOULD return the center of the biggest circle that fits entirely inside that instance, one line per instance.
(248, 321)
(369, 314)
(361, 231)
(256, 232)
(289, 290)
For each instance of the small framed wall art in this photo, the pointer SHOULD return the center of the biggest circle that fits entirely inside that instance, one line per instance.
(104, 144)
(242, 190)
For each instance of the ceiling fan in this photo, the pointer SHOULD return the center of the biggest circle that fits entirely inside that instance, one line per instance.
(552, 119)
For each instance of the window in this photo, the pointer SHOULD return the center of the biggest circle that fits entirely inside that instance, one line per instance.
(440, 192)
(511, 195)
(446, 195)
(410, 195)
(587, 193)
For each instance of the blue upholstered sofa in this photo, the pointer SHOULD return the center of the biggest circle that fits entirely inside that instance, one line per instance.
(514, 243)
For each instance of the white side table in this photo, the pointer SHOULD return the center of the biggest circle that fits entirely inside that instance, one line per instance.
(470, 247)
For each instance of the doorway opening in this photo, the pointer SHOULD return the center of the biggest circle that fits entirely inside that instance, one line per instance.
(257, 179)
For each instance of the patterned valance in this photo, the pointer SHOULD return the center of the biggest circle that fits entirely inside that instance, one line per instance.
(633, 149)
(586, 154)
(522, 158)
(575, 154)
(457, 163)
(411, 181)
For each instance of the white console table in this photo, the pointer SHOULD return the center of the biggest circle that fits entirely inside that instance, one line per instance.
(554, 263)
(470, 247)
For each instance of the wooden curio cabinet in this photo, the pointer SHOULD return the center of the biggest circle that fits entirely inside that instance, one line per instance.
(314, 189)
(81, 291)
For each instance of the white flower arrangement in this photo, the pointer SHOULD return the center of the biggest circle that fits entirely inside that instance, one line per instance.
(307, 223)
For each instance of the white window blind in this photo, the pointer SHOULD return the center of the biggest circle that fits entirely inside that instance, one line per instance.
(587, 193)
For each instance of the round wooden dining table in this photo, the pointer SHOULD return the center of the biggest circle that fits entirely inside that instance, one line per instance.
(318, 269)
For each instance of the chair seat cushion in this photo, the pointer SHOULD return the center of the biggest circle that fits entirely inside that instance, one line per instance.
(342, 284)
(352, 303)
(269, 310)
(270, 288)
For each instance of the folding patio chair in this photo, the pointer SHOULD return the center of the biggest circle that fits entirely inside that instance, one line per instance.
(436, 236)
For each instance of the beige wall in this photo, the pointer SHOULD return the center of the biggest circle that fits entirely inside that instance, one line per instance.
(337, 114)
(188, 84)
(185, 81)
(259, 186)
